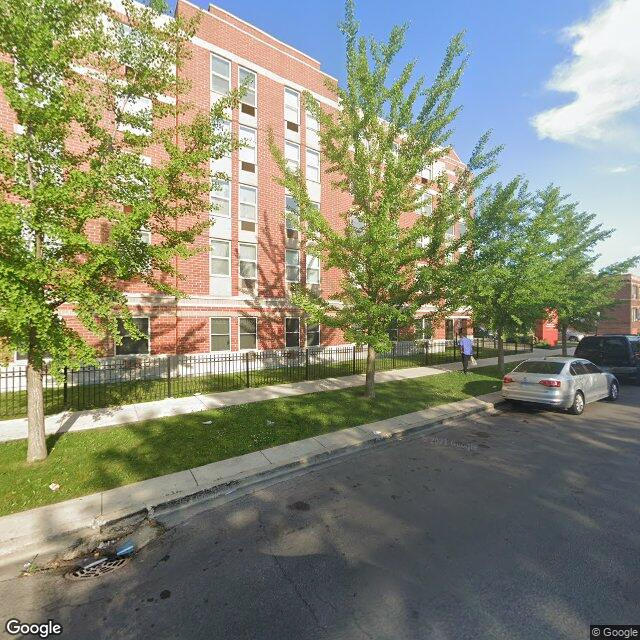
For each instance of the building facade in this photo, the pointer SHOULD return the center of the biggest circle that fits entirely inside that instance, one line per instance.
(237, 288)
(624, 317)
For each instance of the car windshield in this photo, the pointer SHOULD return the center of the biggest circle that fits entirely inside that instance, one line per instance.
(540, 366)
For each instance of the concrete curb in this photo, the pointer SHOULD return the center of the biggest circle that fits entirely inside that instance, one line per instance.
(55, 527)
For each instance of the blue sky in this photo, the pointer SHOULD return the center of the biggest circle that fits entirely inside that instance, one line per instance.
(587, 139)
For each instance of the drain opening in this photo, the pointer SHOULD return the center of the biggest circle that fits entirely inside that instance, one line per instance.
(97, 568)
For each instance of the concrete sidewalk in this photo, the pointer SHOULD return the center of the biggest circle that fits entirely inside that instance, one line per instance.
(69, 421)
(52, 528)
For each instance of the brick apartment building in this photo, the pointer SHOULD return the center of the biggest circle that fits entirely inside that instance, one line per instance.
(237, 290)
(625, 316)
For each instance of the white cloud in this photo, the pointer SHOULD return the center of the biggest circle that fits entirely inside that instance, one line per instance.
(604, 76)
(623, 168)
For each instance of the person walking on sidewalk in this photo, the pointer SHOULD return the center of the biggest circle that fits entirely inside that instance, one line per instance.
(466, 349)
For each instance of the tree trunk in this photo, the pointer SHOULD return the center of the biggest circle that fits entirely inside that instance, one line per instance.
(371, 372)
(500, 352)
(563, 330)
(36, 443)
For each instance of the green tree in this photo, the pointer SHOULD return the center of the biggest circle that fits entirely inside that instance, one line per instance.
(383, 135)
(578, 292)
(91, 95)
(504, 276)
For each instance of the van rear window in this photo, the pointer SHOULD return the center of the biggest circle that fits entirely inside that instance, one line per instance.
(540, 366)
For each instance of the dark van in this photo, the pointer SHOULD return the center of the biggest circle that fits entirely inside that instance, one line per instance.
(619, 355)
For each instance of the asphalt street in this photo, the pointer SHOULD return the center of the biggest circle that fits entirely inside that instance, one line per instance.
(520, 525)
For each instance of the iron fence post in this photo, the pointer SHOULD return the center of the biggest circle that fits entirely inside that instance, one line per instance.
(65, 391)
(426, 353)
(246, 364)
(306, 363)
(393, 355)
(354, 360)
(168, 376)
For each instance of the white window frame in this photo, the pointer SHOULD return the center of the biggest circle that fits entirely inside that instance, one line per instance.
(215, 195)
(312, 123)
(133, 106)
(240, 333)
(212, 257)
(306, 334)
(318, 268)
(245, 202)
(244, 149)
(286, 333)
(293, 164)
(426, 204)
(145, 235)
(130, 355)
(211, 334)
(242, 70)
(288, 110)
(288, 213)
(312, 153)
(217, 75)
(241, 260)
(292, 266)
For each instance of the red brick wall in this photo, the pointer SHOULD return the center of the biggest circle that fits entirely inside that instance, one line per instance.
(185, 328)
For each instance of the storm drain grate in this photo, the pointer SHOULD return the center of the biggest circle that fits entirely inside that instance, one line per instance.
(97, 568)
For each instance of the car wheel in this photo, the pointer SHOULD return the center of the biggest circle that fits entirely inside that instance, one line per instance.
(614, 391)
(578, 404)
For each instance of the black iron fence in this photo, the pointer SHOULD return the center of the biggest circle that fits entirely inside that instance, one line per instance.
(142, 379)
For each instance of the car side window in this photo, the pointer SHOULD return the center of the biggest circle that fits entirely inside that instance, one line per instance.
(572, 370)
(591, 368)
(579, 368)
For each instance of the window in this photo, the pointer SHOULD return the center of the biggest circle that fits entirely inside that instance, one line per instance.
(313, 166)
(224, 129)
(423, 329)
(393, 331)
(292, 332)
(313, 335)
(292, 263)
(220, 75)
(145, 235)
(248, 81)
(220, 258)
(221, 198)
(427, 172)
(636, 314)
(540, 366)
(133, 346)
(136, 115)
(292, 155)
(426, 204)
(248, 333)
(248, 254)
(451, 231)
(248, 138)
(248, 210)
(292, 109)
(220, 334)
(635, 291)
(291, 216)
(592, 368)
(313, 269)
(313, 125)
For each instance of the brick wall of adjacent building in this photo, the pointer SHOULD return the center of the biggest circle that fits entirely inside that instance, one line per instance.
(625, 316)
(184, 326)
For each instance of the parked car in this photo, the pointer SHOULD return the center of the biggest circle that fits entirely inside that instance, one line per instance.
(573, 335)
(618, 354)
(559, 381)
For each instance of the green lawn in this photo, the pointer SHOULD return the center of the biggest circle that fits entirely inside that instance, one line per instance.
(90, 461)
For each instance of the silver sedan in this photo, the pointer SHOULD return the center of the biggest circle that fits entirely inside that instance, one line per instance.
(557, 381)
